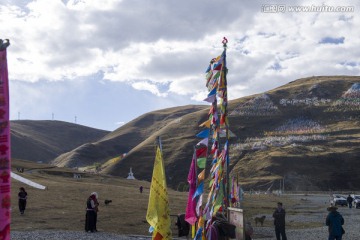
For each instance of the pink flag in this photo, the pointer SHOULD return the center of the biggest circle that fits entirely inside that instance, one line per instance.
(190, 215)
(4, 148)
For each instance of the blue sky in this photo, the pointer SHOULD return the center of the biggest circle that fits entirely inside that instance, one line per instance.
(108, 62)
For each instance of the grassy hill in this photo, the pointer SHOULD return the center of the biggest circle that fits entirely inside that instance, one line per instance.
(313, 145)
(124, 139)
(42, 141)
(306, 132)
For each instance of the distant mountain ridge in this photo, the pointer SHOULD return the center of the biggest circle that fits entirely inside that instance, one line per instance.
(44, 140)
(306, 132)
(124, 139)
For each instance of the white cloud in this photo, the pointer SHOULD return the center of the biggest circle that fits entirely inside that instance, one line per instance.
(148, 87)
(91, 5)
(163, 47)
(120, 123)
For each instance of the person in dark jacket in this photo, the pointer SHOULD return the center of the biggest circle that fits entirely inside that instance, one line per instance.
(22, 195)
(249, 230)
(279, 222)
(335, 221)
(349, 200)
(182, 225)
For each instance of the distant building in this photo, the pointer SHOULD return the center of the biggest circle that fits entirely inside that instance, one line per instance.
(77, 176)
(131, 175)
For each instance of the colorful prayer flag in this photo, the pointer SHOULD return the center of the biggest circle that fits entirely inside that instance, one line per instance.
(199, 190)
(203, 133)
(190, 214)
(201, 152)
(203, 142)
(158, 213)
(205, 124)
(201, 162)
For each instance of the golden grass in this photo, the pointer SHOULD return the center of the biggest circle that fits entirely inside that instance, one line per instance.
(62, 205)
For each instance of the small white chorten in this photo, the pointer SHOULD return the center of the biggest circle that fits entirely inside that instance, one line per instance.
(131, 175)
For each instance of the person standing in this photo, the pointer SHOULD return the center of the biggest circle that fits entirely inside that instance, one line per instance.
(182, 225)
(96, 208)
(22, 195)
(91, 213)
(279, 222)
(141, 189)
(349, 200)
(248, 230)
(335, 221)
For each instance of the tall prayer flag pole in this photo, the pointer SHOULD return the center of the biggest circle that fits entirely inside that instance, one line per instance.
(216, 82)
(211, 149)
(226, 123)
(158, 212)
(5, 157)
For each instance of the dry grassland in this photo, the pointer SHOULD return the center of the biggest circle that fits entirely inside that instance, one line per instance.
(62, 205)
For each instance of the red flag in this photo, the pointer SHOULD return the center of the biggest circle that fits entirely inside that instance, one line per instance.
(201, 152)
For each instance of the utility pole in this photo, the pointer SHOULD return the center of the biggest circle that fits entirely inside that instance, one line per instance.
(75, 119)
(18, 115)
(52, 116)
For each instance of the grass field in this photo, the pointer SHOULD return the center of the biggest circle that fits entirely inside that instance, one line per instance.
(62, 205)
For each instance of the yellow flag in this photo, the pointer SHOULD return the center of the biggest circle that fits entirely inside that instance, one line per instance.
(201, 176)
(206, 124)
(158, 212)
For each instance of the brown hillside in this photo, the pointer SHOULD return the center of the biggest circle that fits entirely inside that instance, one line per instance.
(326, 157)
(124, 139)
(307, 132)
(323, 155)
(177, 142)
(42, 141)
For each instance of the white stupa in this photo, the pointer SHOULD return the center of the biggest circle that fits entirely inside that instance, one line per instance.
(131, 175)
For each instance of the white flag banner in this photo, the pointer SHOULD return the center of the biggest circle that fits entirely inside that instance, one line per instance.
(27, 181)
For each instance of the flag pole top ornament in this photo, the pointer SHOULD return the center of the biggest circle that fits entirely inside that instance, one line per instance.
(224, 42)
(4, 44)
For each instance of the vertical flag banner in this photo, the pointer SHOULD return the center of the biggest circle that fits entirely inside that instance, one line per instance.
(5, 166)
(158, 212)
(213, 148)
(190, 214)
(216, 83)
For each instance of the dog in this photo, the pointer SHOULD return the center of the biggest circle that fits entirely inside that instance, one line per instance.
(260, 220)
(107, 201)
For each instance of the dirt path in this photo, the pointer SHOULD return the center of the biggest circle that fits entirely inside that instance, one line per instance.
(312, 209)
